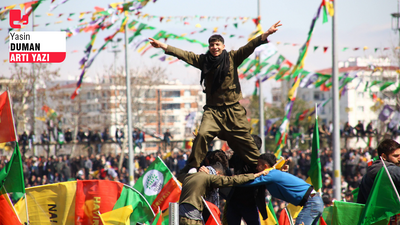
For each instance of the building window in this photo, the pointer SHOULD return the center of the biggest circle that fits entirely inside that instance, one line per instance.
(171, 94)
(171, 106)
(360, 108)
(88, 95)
(275, 98)
(186, 93)
(150, 93)
(319, 96)
(360, 94)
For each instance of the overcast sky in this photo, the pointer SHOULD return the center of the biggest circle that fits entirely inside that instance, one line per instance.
(359, 23)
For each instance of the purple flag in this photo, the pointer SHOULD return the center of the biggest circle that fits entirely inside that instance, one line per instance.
(385, 113)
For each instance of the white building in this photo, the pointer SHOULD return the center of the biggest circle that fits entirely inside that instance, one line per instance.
(155, 108)
(355, 104)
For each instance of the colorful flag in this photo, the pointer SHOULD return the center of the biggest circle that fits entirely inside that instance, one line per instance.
(158, 185)
(269, 123)
(272, 219)
(383, 200)
(7, 214)
(158, 219)
(215, 214)
(11, 176)
(7, 132)
(385, 113)
(314, 174)
(285, 218)
(385, 85)
(117, 217)
(91, 200)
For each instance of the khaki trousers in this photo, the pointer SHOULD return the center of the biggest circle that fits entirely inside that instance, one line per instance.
(228, 123)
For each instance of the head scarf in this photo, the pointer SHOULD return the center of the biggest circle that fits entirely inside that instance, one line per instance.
(218, 64)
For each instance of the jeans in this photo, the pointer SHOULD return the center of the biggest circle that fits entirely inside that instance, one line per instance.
(311, 211)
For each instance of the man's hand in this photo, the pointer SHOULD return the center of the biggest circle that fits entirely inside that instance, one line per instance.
(158, 44)
(263, 173)
(271, 30)
(203, 169)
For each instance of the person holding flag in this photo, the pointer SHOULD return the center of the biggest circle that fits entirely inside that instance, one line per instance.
(389, 150)
(223, 114)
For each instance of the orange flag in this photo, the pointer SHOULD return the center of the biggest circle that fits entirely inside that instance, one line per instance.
(7, 215)
(7, 132)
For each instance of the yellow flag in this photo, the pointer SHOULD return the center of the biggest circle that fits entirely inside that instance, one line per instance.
(49, 203)
(117, 217)
(294, 210)
(253, 123)
(198, 25)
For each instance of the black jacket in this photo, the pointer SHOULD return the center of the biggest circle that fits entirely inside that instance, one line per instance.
(368, 180)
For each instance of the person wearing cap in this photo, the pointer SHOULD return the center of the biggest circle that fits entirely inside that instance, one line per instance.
(222, 113)
(291, 189)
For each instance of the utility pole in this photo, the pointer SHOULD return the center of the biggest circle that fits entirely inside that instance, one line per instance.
(336, 114)
(396, 28)
(116, 79)
(34, 94)
(129, 110)
(261, 100)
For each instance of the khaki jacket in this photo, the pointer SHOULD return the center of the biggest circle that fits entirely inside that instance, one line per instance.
(196, 185)
(230, 92)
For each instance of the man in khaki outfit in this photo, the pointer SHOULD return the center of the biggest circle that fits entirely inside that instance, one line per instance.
(196, 185)
(223, 115)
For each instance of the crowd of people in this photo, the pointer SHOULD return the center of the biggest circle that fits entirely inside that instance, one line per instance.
(41, 170)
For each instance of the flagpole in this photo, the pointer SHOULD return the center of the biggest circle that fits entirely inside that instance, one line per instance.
(335, 114)
(129, 110)
(391, 181)
(260, 100)
(16, 142)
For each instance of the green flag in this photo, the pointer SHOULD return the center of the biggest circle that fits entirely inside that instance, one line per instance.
(153, 180)
(397, 90)
(385, 85)
(355, 193)
(60, 138)
(383, 200)
(271, 208)
(142, 211)
(315, 168)
(158, 219)
(11, 176)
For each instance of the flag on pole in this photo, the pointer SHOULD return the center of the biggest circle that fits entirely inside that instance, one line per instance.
(314, 174)
(383, 200)
(285, 218)
(7, 215)
(7, 132)
(158, 185)
(272, 219)
(158, 219)
(11, 176)
(215, 214)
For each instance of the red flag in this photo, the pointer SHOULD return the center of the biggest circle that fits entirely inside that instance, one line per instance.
(7, 132)
(322, 221)
(325, 49)
(76, 92)
(7, 215)
(94, 197)
(169, 193)
(284, 218)
(215, 214)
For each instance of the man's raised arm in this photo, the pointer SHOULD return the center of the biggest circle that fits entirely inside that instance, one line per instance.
(246, 50)
(158, 44)
(189, 57)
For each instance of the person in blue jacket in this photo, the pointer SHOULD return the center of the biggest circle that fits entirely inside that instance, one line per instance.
(291, 189)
